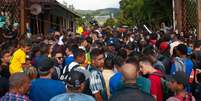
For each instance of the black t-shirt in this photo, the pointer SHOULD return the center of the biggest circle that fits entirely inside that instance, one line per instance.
(4, 86)
(131, 92)
(4, 71)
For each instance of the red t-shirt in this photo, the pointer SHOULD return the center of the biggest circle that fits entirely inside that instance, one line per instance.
(156, 86)
(85, 34)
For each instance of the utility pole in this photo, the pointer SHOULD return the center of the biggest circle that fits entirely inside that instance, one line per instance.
(177, 16)
(22, 16)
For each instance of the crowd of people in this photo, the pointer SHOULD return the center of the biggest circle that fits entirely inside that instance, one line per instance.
(103, 64)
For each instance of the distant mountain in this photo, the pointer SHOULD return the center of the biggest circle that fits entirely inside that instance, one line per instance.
(100, 12)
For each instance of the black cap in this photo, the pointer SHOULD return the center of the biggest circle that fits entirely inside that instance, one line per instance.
(75, 79)
(179, 77)
(45, 65)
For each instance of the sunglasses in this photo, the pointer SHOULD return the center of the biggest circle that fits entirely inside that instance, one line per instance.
(59, 58)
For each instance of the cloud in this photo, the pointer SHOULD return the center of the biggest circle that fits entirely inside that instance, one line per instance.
(92, 4)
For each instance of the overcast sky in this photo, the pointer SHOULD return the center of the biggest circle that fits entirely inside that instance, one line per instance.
(92, 4)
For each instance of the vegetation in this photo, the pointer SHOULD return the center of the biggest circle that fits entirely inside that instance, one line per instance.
(110, 22)
(103, 16)
(100, 12)
(150, 12)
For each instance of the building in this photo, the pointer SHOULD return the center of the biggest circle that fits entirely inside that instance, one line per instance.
(52, 15)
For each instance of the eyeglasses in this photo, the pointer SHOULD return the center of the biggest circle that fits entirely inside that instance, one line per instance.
(59, 58)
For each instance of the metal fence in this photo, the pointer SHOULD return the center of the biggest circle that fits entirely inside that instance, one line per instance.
(190, 16)
(186, 14)
(9, 12)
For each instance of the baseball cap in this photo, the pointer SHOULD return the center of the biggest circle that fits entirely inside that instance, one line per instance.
(164, 46)
(77, 77)
(110, 42)
(45, 65)
(179, 77)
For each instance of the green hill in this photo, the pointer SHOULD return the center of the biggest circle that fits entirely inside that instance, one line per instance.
(100, 12)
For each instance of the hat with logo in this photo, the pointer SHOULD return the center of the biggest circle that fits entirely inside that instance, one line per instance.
(77, 77)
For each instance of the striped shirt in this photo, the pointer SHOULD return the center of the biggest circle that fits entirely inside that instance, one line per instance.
(14, 97)
(97, 83)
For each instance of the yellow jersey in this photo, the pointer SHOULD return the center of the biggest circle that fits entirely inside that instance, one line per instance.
(18, 58)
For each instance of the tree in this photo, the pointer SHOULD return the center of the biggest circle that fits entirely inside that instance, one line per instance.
(110, 22)
(150, 12)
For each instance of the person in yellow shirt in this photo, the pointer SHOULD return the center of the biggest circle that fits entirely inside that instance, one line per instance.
(80, 30)
(19, 57)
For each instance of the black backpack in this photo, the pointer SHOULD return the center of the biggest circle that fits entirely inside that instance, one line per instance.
(65, 72)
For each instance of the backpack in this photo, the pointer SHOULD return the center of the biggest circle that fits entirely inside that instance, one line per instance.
(164, 83)
(180, 65)
(66, 72)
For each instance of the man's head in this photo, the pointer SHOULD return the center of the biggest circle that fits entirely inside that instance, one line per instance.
(31, 72)
(19, 83)
(118, 62)
(163, 25)
(145, 65)
(181, 49)
(150, 52)
(130, 71)
(94, 36)
(89, 43)
(5, 56)
(25, 45)
(86, 42)
(178, 81)
(44, 49)
(97, 44)
(56, 35)
(79, 55)
(59, 57)
(76, 81)
(97, 58)
(108, 63)
(70, 49)
(197, 45)
(45, 67)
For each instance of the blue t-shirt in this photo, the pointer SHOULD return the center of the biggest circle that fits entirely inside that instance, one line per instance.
(68, 60)
(115, 83)
(72, 97)
(45, 89)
